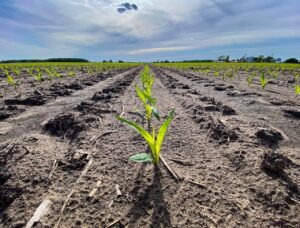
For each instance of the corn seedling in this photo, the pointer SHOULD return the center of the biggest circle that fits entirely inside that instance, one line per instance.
(71, 74)
(56, 74)
(145, 95)
(17, 71)
(263, 80)
(297, 89)
(297, 77)
(250, 78)
(11, 81)
(38, 76)
(154, 140)
(50, 74)
(216, 73)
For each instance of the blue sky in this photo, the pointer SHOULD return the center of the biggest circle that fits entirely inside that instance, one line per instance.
(149, 30)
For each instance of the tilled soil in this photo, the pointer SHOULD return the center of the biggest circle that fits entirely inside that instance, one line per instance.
(33, 93)
(237, 158)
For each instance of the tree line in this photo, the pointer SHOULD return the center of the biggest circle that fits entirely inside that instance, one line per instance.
(45, 60)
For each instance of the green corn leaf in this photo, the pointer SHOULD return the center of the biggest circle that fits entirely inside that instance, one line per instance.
(155, 113)
(154, 154)
(10, 80)
(144, 95)
(150, 99)
(162, 132)
(263, 80)
(249, 80)
(297, 89)
(141, 95)
(140, 130)
(141, 158)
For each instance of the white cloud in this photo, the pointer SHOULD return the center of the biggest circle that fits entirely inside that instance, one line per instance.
(159, 49)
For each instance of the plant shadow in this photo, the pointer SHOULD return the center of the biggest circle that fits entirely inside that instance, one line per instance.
(290, 185)
(150, 200)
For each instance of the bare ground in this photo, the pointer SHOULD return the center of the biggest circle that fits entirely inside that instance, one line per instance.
(237, 157)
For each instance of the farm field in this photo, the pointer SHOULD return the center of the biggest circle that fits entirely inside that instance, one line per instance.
(231, 154)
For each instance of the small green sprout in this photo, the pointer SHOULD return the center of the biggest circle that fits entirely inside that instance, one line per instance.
(297, 77)
(154, 141)
(38, 76)
(71, 74)
(11, 81)
(297, 89)
(250, 78)
(263, 80)
(216, 73)
(145, 95)
(50, 74)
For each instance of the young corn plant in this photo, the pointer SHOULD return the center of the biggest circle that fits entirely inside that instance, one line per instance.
(11, 81)
(55, 73)
(37, 76)
(17, 71)
(145, 95)
(154, 140)
(50, 74)
(263, 80)
(250, 78)
(297, 89)
(71, 74)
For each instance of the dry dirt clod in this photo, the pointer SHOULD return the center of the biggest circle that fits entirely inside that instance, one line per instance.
(275, 163)
(65, 125)
(269, 136)
(292, 113)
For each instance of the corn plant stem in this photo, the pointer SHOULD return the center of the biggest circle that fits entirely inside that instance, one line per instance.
(148, 151)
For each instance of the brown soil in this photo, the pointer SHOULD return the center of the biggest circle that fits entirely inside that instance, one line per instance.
(235, 147)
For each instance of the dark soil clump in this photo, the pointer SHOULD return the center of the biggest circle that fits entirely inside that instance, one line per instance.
(275, 163)
(269, 136)
(66, 124)
(35, 100)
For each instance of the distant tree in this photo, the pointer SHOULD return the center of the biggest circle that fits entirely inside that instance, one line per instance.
(110, 61)
(166, 61)
(278, 60)
(260, 58)
(46, 60)
(223, 58)
(291, 60)
(121, 61)
(104, 61)
(269, 59)
(66, 60)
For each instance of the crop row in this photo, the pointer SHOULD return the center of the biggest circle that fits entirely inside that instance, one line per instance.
(261, 72)
(153, 137)
(14, 73)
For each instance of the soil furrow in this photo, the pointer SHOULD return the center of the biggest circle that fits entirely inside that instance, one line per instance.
(39, 93)
(25, 174)
(31, 120)
(235, 167)
(250, 102)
